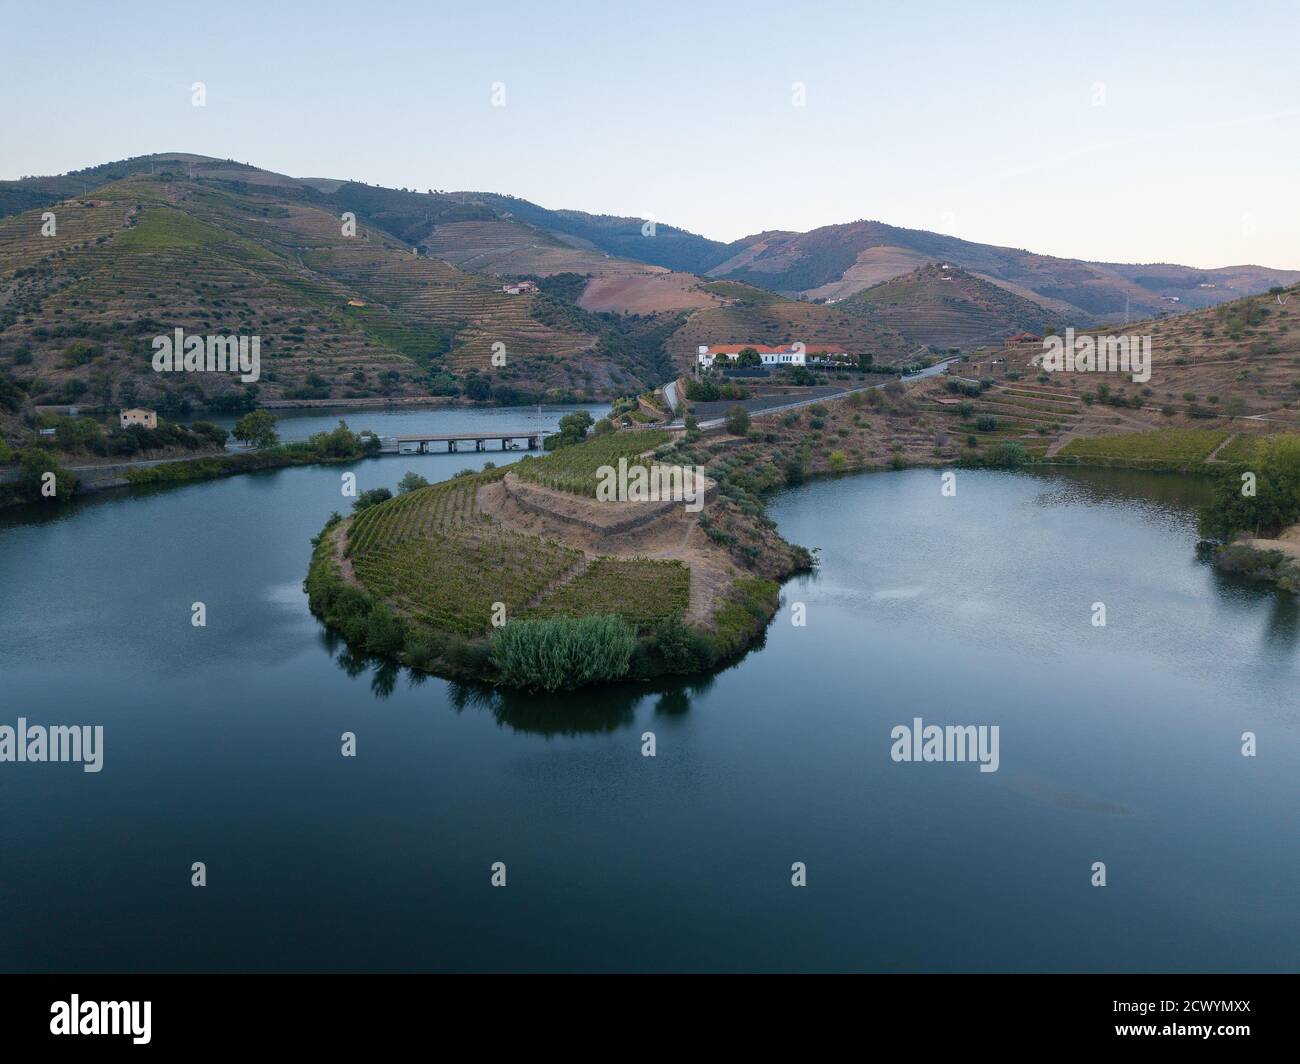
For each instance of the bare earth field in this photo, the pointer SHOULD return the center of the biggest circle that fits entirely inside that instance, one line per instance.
(645, 293)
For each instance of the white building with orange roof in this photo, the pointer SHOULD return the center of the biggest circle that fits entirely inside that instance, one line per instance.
(793, 354)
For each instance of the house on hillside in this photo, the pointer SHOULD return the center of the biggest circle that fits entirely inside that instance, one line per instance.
(520, 288)
(1024, 338)
(145, 418)
(356, 302)
(796, 354)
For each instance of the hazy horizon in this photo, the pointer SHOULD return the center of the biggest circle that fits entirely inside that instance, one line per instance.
(1138, 137)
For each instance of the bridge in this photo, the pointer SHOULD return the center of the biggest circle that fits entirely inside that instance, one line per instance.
(450, 442)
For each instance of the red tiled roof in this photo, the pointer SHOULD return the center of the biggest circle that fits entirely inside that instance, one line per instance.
(764, 349)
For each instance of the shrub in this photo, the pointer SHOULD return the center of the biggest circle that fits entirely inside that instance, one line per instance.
(370, 498)
(35, 464)
(673, 647)
(410, 481)
(385, 633)
(738, 421)
(561, 653)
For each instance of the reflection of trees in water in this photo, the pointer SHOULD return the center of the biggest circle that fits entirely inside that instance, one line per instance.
(1244, 595)
(1069, 486)
(588, 711)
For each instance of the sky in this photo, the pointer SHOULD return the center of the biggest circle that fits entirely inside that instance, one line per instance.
(1124, 132)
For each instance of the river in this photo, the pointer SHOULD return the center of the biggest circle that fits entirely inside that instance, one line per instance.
(1118, 744)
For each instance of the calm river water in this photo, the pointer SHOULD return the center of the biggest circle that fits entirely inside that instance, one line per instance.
(1119, 744)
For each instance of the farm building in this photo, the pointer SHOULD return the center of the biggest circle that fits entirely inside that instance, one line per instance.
(794, 354)
(146, 418)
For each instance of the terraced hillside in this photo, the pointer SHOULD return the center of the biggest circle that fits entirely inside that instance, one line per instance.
(946, 307)
(1232, 371)
(338, 316)
(427, 552)
(507, 248)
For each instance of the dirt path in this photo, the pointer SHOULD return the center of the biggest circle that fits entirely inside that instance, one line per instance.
(1213, 456)
(674, 536)
(1288, 542)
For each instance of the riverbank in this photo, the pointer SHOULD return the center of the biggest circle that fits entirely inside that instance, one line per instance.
(1273, 560)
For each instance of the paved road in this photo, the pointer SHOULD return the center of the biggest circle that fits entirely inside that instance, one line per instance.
(931, 371)
(670, 393)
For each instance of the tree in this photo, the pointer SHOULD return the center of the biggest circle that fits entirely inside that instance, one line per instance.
(36, 463)
(573, 429)
(1275, 503)
(738, 421)
(749, 356)
(257, 429)
(478, 389)
(410, 482)
(371, 498)
(73, 434)
(340, 442)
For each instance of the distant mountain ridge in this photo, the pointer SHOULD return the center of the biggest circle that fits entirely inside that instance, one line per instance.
(412, 302)
(830, 262)
(947, 307)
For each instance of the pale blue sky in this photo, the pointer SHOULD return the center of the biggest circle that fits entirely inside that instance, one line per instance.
(973, 119)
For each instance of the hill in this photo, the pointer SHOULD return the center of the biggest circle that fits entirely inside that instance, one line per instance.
(748, 314)
(945, 307)
(838, 260)
(215, 247)
(1219, 378)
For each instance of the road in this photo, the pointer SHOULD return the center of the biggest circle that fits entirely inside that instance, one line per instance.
(930, 371)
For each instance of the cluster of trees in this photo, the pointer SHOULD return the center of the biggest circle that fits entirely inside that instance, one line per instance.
(1260, 497)
(573, 429)
(711, 391)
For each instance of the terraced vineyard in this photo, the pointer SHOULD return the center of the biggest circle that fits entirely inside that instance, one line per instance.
(640, 590)
(573, 469)
(1163, 447)
(1030, 415)
(426, 552)
(472, 308)
(212, 247)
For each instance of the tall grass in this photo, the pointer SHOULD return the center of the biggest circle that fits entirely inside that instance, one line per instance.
(561, 653)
